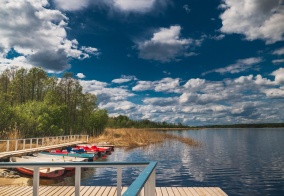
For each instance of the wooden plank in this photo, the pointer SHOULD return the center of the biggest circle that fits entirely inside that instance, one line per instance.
(51, 191)
(175, 191)
(10, 190)
(220, 191)
(94, 191)
(69, 190)
(28, 191)
(84, 189)
(159, 191)
(113, 191)
(191, 191)
(19, 191)
(170, 190)
(101, 191)
(62, 189)
(164, 191)
(106, 190)
(123, 190)
(182, 191)
(210, 191)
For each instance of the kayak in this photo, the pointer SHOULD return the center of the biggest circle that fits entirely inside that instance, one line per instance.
(88, 156)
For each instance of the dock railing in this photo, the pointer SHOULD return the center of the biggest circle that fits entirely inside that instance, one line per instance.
(146, 179)
(41, 141)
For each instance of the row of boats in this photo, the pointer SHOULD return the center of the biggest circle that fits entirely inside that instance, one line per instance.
(80, 153)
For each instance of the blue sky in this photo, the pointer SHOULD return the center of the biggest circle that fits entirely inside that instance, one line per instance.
(189, 61)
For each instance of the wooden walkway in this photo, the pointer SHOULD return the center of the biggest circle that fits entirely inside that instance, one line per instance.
(107, 191)
(5, 155)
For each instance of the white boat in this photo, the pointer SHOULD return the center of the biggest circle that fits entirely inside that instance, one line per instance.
(64, 158)
(48, 172)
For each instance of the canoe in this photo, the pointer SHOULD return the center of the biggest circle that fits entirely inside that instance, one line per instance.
(47, 172)
(90, 157)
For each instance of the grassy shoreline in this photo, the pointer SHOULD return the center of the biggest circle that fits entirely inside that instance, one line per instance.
(133, 137)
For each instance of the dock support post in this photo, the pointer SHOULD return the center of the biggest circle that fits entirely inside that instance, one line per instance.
(31, 142)
(36, 181)
(36, 142)
(16, 145)
(24, 144)
(77, 180)
(8, 145)
(119, 180)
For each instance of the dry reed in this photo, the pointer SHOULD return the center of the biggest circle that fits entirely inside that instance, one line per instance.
(131, 137)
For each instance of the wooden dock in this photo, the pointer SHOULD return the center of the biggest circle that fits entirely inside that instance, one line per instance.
(7, 154)
(107, 191)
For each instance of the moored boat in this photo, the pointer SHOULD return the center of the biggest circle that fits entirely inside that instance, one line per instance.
(64, 158)
(47, 172)
(89, 156)
(48, 159)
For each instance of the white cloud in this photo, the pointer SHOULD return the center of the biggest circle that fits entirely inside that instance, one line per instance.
(71, 5)
(279, 75)
(240, 66)
(245, 99)
(164, 85)
(105, 93)
(165, 45)
(254, 19)
(279, 51)
(278, 61)
(38, 34)
(80, 75)
(137, 6)
(124, 79)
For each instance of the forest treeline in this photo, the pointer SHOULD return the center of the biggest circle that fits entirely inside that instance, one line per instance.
(33, 104)
(125, 122)
(262, 125)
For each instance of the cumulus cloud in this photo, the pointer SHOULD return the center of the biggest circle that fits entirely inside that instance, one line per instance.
(164, 85)
(279, 51)
(278, 61)
(80, 75)
(71, 5)
(279, 75)
(138, 6)
(254, 19)
(38, 34)
(105, 93)
(240, 66)
(244, 99)
(165, 45)
(124, 79)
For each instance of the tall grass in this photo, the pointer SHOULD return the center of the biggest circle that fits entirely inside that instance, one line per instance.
(131, 137)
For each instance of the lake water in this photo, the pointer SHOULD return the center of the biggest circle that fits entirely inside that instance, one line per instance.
(239, 161)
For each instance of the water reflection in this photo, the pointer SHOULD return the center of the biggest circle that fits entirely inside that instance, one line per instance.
(240, 161)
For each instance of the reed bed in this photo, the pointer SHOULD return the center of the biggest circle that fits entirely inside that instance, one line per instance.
(131, 137)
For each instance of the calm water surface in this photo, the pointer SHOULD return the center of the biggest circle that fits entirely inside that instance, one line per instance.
(240, 161)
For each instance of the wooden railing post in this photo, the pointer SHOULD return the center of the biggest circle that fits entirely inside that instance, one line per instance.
(77, 180)
(36, 142)
(8, 145)
(31, 142)
(36, 181)
(119, 180)
(16, 145)
(24, 144)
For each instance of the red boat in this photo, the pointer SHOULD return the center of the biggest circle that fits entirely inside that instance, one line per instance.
(47, 172)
